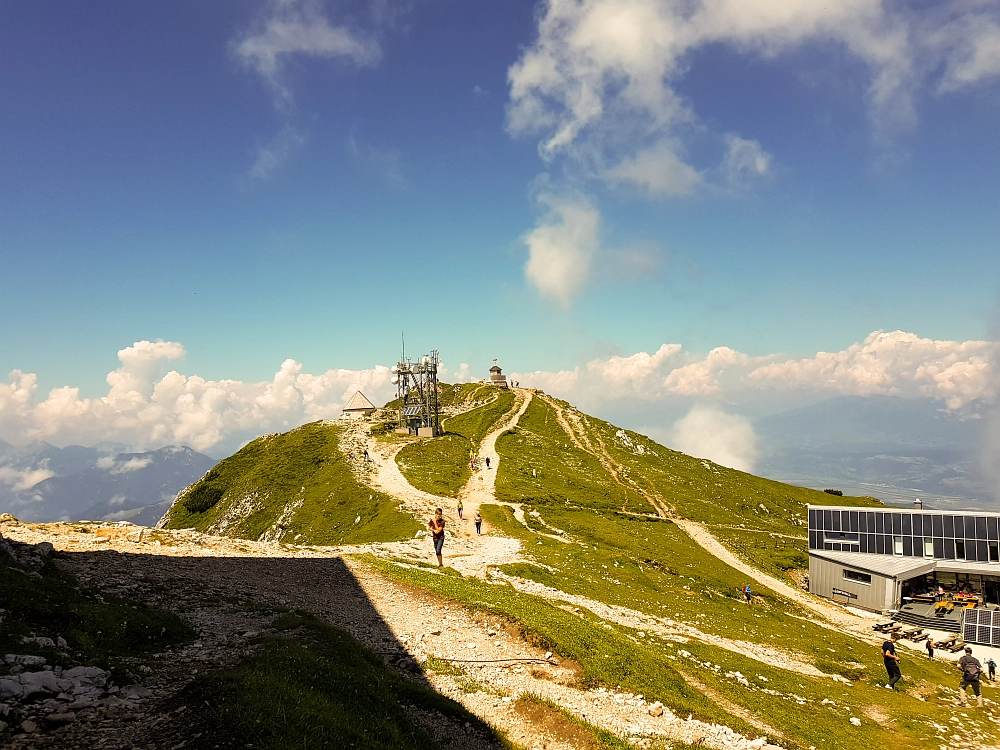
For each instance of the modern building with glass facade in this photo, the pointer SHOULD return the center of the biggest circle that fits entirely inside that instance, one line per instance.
(879, 559)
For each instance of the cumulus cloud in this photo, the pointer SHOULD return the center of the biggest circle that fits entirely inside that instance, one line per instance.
(147, 407)
(960, 374)
(598, 84)
(726, 439)
(894, 363)
(561, 248)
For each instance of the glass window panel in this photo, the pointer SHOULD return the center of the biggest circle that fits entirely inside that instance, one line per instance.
(982, 552)
(918, 525)
(836, 522)
(949, 526)
(812, 519)
(938, 526)
(828, 546)
(845, 520)
(907, 525)
(870, 520)
(879, 523)
(928, 546)
(897, 545)
(880, 544)
(959, 527)
(980, 527)
(854, 521)
(827, 519)
(991, 527)
(907, 545)
(939, 548)
(960, 549)
(994, 550)
(949, 549)
(864, 543)
(897, 523)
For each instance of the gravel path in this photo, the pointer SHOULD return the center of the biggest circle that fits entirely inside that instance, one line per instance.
(836, 616)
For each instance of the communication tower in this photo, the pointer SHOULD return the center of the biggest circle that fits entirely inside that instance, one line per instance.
(417, 390)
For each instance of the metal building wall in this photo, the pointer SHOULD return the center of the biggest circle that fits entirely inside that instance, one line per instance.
(825, 576)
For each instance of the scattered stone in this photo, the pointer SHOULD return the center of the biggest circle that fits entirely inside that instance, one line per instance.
(856, 721)
(29, 726)
(656, 709)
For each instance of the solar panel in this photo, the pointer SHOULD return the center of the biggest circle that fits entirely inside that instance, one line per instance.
(412, 411)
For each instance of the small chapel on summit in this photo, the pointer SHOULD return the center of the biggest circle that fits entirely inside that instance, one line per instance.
(358, 407)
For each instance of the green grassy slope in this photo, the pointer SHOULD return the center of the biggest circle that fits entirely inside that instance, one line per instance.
(759, 519)
(441, 465)
(297, 487)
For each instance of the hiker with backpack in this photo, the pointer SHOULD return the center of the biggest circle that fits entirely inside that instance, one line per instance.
(747, 593)
(971, 671)
(930, 647)
(991, 665)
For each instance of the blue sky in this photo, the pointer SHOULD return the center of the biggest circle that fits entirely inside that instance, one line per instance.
(414, 159)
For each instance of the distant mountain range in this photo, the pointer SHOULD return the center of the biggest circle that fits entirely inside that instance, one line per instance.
(39, 482)
(894, 449)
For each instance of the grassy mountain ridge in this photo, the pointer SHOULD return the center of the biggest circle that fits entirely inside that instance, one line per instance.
(295, 487)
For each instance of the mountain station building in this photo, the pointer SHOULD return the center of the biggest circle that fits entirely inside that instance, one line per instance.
(926, 567)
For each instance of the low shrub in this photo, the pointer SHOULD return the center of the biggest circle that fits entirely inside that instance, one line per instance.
(203, 497)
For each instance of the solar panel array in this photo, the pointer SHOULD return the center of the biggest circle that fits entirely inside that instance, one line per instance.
(981, 626)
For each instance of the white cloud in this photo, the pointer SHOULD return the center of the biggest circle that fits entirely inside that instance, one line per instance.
(106, 462)
(726, 439)
(276, 153)
(598, 83)
(745, 162)
(894, 364)
(562, 247)
(24, 479)
(289, 29)
(957, 373)
(298, 27)
(133, 464)
(146, 409)
(658, 170)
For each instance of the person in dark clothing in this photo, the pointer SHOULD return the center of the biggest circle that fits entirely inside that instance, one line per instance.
(436, 525)
(991, 665)
(891, 661)
(930, 647)
(479, 523)
(971, 671)
(748, 593)
(487, 462)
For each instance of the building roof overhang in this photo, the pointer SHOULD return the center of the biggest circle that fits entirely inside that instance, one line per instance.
(889, 566)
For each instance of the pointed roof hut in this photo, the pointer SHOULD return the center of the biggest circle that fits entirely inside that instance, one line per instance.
(359, 406)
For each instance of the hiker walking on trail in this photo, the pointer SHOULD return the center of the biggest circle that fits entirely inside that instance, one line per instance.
(366, 455)
(747, 593)
(891, 661)
(971, 671)
(436, 525)
(930, 647)
(991, 665)
(479, 523)
(460, 507)
(487, 462)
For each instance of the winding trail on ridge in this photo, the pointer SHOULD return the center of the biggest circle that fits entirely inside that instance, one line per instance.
(835, 615)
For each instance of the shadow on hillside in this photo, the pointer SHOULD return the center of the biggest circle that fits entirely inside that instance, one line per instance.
(224, 599)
